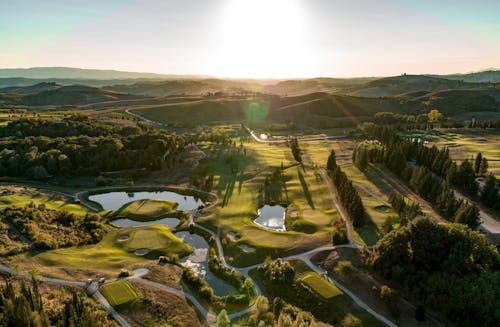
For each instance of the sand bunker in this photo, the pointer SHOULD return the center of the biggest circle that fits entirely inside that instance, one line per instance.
(123, 238)
(141, 251)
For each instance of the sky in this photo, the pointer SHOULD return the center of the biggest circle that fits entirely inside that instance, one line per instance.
(253, 38)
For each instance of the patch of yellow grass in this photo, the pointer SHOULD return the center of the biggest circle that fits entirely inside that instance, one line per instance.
(320, 285)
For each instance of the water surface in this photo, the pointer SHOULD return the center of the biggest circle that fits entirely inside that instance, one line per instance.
(198, 263)
(272, 217)
(115, 200)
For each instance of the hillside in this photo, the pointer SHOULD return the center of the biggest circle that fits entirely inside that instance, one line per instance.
(77, 73)
(73, 95)
(399, 85)
(31, 89)
(492, 76)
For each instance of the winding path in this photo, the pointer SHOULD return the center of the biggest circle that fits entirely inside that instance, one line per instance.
(305, 256)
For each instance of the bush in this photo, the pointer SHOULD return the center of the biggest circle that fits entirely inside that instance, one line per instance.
(344, 267)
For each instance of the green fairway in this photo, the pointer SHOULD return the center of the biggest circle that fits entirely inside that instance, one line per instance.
(119, 292)
(145, 210)
(320, 285)
(116, 249)
(310, 203)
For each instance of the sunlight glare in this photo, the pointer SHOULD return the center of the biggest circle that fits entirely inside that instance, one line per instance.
(260, 38)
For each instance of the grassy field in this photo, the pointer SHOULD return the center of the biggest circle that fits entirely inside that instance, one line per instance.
(21, 196)
(239, 202)
(373, 191)
(466, 143)
(115, 251)
(145, 210)
(320, 285)
(119, 292)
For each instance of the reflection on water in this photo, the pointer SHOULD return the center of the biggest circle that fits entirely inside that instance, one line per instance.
(115, 200)
(272, 217)
(198, 263)
(169, 222)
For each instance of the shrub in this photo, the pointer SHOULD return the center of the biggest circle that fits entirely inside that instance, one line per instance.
(344, 267)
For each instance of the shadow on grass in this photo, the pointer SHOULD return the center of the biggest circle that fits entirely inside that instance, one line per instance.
(369, 233)
(305, 188)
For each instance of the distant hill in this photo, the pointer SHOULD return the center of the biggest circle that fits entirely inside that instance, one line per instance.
(78, 73)
(306, 86)
(186, 86)
(400, 85)
(492, 76)
(73, 95)
(36, 88)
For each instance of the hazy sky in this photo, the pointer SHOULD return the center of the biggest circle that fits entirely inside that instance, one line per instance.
(253, 38)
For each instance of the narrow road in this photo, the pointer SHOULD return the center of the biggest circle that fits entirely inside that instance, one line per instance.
(335, 201)
(313, 138)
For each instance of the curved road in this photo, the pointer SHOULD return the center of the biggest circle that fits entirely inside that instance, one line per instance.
(305, 256)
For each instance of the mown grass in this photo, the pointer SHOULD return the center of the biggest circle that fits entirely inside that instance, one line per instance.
(119, 292)
(305, 191)
(321, 286)
(145, 210)
(110, 253)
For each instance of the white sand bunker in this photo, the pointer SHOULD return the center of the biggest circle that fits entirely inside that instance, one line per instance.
(123, 238)
(232, 236)
(247, 248)
(141, 251)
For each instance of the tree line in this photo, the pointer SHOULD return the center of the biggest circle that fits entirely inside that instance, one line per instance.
(448, 267)
(76, 146)
(430, 175)
(23, 305)
(349, 196)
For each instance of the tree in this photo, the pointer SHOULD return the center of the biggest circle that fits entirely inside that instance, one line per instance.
(435, 115)
(332, 162)
(477, 162)
(489, 193)
(223, 319)
(484, 166)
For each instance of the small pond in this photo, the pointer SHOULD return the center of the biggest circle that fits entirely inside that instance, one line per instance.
(198, 262)
(115, 200)
(272, 217)
(169, 222)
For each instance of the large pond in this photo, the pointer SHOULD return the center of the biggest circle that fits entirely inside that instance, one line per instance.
(169, 222)
(115, 200)
(198, 262)
(272, 217)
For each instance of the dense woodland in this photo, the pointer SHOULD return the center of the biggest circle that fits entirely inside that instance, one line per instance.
(77, 146)
(450, 268)
(23, 305)
(43, 229)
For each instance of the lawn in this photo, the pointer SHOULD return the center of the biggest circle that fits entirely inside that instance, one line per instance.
(145, 210)
(119, 292)
(21, 196)
(111, 253)
(320, 285)
(238, 205)
(374, 193)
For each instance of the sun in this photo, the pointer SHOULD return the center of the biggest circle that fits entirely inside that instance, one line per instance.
(260, 38)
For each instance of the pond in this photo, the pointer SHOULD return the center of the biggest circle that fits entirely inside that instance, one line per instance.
(272, 217)
(169, 222)
(198, 263)
(115, 200)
